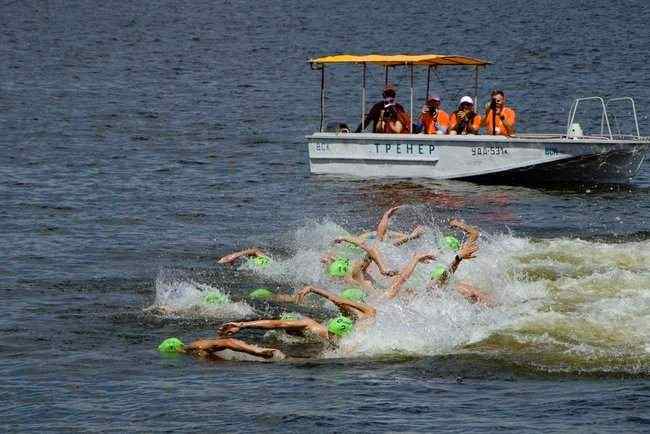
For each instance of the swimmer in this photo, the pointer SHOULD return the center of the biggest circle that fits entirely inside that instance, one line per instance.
(255, 256)
(397, 238)
(264, 294)
(372, 254)
(208, 347)
(440, 276)
(471, 231)
(330, 332)
(355, 273)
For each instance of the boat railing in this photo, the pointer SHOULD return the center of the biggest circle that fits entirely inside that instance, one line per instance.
(636, 120)
(574, 130)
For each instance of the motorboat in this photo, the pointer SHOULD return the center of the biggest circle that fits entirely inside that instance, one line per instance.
(607, 156)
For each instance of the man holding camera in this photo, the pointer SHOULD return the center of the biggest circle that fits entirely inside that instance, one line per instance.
(499, 119)
(433, 120)
(387, 116)
(465, 120)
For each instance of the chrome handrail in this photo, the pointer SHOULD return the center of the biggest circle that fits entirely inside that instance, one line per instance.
(604, 117)
(636, 120)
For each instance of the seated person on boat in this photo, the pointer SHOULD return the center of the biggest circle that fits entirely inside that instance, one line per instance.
(387, 116)
(499, 119)
(464, 120)
(433, 120)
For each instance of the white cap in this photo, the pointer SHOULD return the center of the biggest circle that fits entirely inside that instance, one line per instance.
(467, 99)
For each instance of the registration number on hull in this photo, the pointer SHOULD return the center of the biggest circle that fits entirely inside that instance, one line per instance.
(481, 151)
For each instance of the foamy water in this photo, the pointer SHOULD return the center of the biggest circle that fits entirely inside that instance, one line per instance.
(181, 296)
(560, 304)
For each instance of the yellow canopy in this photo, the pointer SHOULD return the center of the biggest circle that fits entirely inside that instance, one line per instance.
(402, 59)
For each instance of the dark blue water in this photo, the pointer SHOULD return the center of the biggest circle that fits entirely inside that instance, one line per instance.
(146, 139)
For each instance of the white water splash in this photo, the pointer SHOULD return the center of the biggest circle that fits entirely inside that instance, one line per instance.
(178, 296)
(559, 302)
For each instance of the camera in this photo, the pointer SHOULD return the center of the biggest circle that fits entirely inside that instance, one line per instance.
(390, 113)
(493, 104)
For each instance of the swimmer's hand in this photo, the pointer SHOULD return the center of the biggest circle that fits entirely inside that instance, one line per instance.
(392, 210)
(272, 353)
(415, 234)
(229, 329)
(426, 257)
(418, 231)
(471, 231)
(468, 250)
(457, 223)
(327, 258)
(299, 296)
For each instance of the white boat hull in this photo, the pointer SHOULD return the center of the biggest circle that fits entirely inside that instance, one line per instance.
(526, 158)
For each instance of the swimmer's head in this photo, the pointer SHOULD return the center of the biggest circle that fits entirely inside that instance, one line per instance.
(340, 267)
(438, 272)
(450, 242)
(259, 261)
(216, 298)
(261, 294)
(354, 294)
(340, 326)
(171, 345)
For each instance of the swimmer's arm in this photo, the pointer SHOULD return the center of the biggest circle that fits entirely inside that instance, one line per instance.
(417, 233)
(382, 227)
(471, 231)
(213, 345)
(406, 273)
(359, 275)
(231, 328)
(359, 309)
(365, 235)
(228, 259)
(371, 251)
(467, 251)
(473, 294)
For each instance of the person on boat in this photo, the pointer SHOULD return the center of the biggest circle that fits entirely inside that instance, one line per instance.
(209, 347)
(354, 314)
(499, 119)
(387, 116)
(465, 120)
(433, 120)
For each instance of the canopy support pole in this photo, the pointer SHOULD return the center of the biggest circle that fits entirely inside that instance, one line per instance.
(476, 88)
(322, 97)
(410, 127)
(428, 80)
(363, 99)
(385, 76)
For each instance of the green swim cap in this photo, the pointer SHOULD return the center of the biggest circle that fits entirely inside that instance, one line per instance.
(259, 261)
(340, 326)
(216, 297)
(290, 316)
(260, 294)
(171, 345)
(340, 267)
(451, 242)
(438, 272)
(354, 294)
